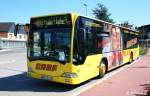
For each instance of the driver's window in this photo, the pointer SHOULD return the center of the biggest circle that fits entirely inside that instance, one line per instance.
(47, 42)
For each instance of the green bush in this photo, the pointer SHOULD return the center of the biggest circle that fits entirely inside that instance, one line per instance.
(143, 51)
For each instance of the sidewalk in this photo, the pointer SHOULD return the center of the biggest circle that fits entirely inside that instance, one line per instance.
(133, 81)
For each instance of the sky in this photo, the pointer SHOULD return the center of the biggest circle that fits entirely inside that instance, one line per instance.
(137, 12)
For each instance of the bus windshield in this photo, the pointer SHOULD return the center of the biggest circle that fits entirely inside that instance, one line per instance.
(51, 41)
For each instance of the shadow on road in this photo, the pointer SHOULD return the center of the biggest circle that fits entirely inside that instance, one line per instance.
(22, 83)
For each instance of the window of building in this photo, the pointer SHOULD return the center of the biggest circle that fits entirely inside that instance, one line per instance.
(20, 37)
(10, 36)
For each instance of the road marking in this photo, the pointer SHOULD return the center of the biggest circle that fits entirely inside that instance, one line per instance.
(132, 93)
(103, 79)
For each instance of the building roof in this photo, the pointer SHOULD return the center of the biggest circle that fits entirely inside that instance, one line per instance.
(145, 27)
(5, 26)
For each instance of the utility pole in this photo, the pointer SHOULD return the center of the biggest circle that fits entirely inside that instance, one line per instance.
(85, 8)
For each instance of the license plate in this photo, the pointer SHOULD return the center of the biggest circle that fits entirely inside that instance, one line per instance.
(47, 78)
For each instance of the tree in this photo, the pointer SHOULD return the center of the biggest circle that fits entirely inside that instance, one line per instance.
(101, 12)
(126, 24)
(129, 25)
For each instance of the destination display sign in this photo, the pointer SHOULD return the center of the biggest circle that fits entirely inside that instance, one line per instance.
(52, 21)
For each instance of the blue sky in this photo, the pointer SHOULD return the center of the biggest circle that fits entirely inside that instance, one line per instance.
(136, 12)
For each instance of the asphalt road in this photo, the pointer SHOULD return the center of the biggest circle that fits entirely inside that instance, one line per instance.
(14, 81)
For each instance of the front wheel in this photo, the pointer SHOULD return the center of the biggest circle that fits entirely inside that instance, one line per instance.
(102, 69)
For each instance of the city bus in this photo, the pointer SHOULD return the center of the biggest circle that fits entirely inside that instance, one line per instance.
(70, 48)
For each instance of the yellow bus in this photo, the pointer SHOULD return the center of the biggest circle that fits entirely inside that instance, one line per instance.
(70, 48)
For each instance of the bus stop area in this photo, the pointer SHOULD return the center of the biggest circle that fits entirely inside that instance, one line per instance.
(134, 80)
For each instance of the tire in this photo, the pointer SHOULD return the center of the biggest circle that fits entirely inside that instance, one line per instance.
(102, 69)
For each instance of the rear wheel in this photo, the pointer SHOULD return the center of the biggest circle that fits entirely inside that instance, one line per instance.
(102, 69)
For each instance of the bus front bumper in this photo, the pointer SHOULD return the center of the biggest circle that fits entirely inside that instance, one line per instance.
(60, 79)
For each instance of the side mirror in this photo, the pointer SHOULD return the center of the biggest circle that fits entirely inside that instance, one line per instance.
(16, 29)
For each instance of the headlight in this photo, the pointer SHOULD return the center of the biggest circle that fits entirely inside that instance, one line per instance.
(69, 75)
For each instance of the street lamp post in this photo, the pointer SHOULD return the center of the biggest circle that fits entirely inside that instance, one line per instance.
(85, 9)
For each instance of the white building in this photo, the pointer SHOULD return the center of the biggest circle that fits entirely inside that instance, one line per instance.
(8, 39)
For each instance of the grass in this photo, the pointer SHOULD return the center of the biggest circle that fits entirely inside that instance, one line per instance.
(143, 51)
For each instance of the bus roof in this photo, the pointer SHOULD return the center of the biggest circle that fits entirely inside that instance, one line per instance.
(85, 17)
(109, 23)
(50, 15)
